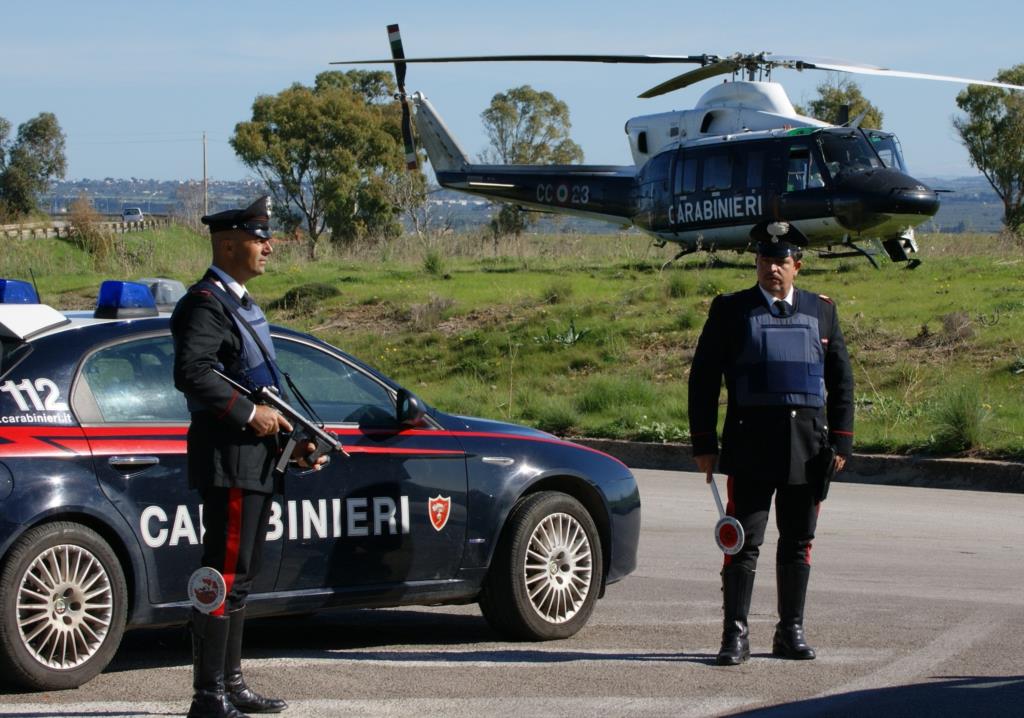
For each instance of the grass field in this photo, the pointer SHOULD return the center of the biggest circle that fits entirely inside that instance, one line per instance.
(584, 335)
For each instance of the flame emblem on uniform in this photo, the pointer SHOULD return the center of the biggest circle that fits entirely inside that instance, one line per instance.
(439, 508)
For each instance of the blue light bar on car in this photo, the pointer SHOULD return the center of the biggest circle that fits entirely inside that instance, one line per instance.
(124, 300)
(15, 291)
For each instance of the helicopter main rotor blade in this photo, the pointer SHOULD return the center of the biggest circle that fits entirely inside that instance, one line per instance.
(722, 67)
(797, 63)
(628, 59)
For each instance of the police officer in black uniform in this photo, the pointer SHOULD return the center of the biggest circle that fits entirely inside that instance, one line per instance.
(790, 398)
(232, 446)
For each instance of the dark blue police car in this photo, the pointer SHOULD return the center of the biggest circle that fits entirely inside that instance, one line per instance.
(99, 531)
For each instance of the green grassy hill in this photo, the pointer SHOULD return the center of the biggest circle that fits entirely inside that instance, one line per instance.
(587, 335)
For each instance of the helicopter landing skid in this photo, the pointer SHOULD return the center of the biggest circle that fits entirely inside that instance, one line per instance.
(682, 253)
(855, 252)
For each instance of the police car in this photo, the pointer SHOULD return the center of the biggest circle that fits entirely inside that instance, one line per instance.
(99, 531)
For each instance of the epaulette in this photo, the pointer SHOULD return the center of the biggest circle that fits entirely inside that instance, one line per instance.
(826, 298)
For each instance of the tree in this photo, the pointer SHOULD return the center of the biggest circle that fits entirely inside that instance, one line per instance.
(993, 133)
(526, 127)
(835, 92)
(329, 154)
(29, 163)
(188, 206)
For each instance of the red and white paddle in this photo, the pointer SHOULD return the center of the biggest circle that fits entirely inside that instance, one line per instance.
(728, 531)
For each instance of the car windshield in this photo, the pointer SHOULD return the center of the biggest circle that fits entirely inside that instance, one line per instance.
(848, 151)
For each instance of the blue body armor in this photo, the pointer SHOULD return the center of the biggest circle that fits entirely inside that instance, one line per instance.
(783, 361)
(255, 366)
(255, 370)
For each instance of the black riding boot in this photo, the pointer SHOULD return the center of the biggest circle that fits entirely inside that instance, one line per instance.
(789, 641)
(242, 696)
(737, 587)
(209, 642)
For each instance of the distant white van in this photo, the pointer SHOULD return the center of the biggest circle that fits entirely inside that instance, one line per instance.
(132, 214)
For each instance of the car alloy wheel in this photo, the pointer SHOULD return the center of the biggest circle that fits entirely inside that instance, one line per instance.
(547, 569)
(65, 605)
(558, 567)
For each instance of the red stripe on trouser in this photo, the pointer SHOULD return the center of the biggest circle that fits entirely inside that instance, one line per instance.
(807, 551)
(232, 543)
(730, 507)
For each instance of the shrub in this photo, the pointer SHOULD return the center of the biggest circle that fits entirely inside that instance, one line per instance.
(554, 417)
(659, 432)
(433, 263)
(677, 286)
(710, 288)
(959, 418)
(556, 293)
(304, 296)
(957, 327)
(429, 315)
(686, 320)
(86, 232)
(615, 393)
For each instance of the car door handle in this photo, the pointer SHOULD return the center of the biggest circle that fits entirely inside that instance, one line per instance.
(131, 464)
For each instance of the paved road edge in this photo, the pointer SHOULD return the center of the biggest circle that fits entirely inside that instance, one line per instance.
(968, 474)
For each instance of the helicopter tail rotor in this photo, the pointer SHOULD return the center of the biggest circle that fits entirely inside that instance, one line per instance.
(398, 55)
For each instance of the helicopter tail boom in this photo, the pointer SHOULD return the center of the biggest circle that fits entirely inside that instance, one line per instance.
(594, 191)
(597, 191)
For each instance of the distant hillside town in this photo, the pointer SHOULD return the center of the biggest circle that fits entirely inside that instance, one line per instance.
(970, 205)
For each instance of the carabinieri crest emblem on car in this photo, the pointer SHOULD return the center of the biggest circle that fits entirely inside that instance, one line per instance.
(439, 508)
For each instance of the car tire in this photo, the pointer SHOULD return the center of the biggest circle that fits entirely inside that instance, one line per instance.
(63, 606)
(547, 570)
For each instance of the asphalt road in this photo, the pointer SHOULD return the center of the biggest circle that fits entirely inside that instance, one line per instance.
(915, 608)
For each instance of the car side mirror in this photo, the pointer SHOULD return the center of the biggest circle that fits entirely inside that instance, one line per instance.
(409, 410)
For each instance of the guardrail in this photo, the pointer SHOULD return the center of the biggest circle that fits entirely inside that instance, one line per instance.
(65, 229)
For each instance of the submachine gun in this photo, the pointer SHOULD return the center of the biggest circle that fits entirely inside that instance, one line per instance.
(303, 429)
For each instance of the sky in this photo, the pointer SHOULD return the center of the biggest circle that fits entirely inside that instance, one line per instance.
(135, 85)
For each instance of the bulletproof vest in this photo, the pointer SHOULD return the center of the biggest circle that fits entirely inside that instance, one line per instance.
(782, 362)
(257, 362)
(258, 367)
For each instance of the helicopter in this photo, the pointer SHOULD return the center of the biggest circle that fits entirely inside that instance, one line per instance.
(742, 166)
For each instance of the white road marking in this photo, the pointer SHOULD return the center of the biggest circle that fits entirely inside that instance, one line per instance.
(509, 707)
(976, 628)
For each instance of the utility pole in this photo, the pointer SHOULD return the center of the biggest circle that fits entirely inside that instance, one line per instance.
(206, 200)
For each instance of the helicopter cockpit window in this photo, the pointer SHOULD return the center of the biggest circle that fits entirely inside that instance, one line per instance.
(848, 152)
(888, 149)
(686, 175)
(717, 172)
(803, 171)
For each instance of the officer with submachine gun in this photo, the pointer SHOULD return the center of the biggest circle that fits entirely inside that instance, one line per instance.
(240, 441)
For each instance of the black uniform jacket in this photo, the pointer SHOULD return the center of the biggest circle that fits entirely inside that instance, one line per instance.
(222, 450)
(773, 442)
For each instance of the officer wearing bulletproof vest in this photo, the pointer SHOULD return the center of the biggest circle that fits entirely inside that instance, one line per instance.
(232, 446)
(790, 398)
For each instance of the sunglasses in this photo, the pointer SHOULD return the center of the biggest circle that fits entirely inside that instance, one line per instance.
(257, 229)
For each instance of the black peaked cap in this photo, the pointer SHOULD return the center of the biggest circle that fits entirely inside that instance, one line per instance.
(258, 211)
(777, 248)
